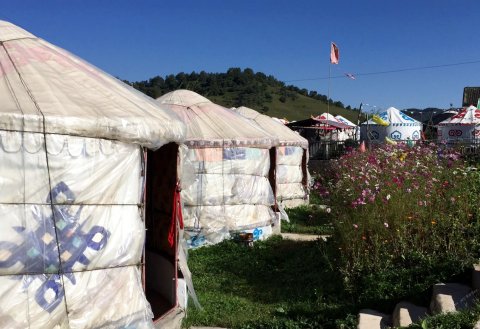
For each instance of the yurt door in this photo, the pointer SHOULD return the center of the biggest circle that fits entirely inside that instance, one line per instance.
(161, 224)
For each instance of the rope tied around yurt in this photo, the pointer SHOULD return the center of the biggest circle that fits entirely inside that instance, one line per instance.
(177, 215)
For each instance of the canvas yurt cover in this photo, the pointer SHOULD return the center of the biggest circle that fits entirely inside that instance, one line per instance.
(399, 126)
(225, 171)
(291, 158)
(72, 162)
(462, 127)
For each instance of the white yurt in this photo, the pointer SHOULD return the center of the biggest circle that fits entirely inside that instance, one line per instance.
(291, 159)
(353, 132)
(73, 210)
(393, 124)
(463, 127)
(226, 171)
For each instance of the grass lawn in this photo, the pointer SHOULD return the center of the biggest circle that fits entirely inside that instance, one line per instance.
(310, 219)
(274, 284)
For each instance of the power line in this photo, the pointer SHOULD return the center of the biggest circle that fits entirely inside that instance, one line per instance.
(418, 68)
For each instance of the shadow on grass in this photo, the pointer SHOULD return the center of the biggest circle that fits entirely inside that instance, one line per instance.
(309, 219)
(276, 270)
(274, 281)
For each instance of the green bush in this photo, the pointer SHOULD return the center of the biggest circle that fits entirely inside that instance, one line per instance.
(464, 319)
(405, 218)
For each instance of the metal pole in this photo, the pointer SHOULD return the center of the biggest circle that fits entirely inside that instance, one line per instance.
(358, 121)
(328, 91)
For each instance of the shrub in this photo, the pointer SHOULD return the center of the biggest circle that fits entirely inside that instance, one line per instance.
(406, 217)
(463, 319)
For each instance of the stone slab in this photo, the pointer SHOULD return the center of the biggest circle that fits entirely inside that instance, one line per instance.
(371, 319)
(303, 237)
(406, 313)
(450, 297)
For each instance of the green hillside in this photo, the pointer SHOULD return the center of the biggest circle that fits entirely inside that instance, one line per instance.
(301, 107)
(258, 91)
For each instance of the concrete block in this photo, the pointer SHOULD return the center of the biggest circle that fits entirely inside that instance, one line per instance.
(477, 325)
(476, 277)
(182, 294)
(277, 224)
(407, 313)
(450, 297)
(371, 319)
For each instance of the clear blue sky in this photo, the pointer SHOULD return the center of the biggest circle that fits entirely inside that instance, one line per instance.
(139, 39)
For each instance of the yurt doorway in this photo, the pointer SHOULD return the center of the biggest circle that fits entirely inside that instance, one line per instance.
(272, 174)
(305, 172)
(160, 254)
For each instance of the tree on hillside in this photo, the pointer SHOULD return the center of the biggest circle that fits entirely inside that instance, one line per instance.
(244, 87)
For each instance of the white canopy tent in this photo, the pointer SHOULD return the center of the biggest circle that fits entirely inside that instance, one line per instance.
(462, 127)
(352, 133)
(398, 126)
(73, 145)
(330, 127)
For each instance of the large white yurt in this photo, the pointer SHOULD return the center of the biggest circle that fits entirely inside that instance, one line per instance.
(226, 171)
(463, 127)
(393, 124)
(291, 159)
(73, 213)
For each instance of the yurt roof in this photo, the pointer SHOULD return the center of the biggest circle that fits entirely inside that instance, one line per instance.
(467, 116)
(45, 89)
(395, 117)
(345, 121)
(211, 125)
(285, 135)
(435, 120)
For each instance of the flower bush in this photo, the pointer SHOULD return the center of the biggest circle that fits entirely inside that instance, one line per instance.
(406, 217)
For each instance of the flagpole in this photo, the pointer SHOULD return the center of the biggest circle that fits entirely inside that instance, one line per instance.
(333, 60)
(358, 119)
(328, 91)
